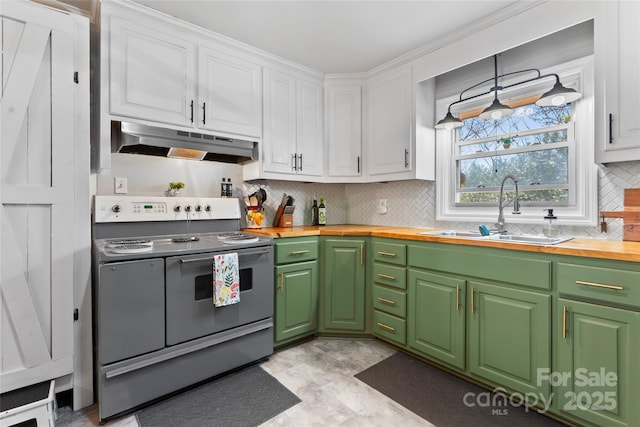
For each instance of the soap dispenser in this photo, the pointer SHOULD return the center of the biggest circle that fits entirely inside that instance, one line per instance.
(550, 224)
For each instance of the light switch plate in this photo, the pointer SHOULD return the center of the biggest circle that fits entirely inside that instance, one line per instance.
(120, 185)
(382, 206)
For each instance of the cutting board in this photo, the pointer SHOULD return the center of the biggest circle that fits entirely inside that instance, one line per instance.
(630, 215)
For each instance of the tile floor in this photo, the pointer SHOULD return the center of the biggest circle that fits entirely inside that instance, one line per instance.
(321, 373)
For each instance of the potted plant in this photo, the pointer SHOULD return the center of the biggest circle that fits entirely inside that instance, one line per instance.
(174, 188)
(506, 142)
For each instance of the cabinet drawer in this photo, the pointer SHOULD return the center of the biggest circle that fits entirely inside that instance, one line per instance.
(496, 265)
(392, 253)
(295, 251)
(604, 284)
(390, 301)
(390, 275)
(390, 327)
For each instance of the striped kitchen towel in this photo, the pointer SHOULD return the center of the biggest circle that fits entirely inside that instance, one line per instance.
(226, 286)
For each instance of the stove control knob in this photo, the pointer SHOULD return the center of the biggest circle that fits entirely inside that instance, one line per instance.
(116, 208)
(198, 208)
(187, 208)
(177, 208)
(207, 208)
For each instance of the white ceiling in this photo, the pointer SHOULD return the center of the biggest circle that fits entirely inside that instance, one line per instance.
(334, 36)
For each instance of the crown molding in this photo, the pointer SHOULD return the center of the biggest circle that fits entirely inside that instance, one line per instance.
(505, 13)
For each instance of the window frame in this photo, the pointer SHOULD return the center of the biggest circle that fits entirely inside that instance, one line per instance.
(582, 208)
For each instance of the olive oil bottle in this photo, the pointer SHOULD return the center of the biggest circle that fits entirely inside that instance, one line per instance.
(322, 213)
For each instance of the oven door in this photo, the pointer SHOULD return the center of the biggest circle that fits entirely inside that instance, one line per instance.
(190, 312)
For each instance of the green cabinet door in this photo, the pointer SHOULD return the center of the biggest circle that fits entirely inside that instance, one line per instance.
(597, 375)
(296, 300)
(436, 316)
(343, 294)
(509, 336)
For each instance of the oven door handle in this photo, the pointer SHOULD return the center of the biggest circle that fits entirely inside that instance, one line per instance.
(209, 258)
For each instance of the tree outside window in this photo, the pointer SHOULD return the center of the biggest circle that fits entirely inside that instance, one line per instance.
(534, 144)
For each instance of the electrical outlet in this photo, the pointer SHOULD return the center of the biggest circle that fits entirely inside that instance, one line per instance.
(120, 185)
(382, 206)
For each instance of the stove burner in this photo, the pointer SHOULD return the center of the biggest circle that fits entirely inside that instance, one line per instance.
(185, 239)
(130, 249)
(113, 243)
(237, 237)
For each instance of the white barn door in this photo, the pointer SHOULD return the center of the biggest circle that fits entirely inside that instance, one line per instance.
(37, 195)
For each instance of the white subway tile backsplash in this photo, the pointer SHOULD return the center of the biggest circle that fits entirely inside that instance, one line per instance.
(412, 203)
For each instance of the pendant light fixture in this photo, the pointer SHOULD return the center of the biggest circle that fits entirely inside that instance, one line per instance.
(558, 95)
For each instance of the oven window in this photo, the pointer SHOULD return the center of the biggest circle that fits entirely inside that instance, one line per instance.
(204, 284)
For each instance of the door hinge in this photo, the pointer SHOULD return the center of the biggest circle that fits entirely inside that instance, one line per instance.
(75, 77)
(75, 315)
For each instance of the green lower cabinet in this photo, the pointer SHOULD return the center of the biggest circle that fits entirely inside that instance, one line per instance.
(436, 316)
(597, 377)
(390, 327)
(296, 300)
(343, 293)
(509, 336)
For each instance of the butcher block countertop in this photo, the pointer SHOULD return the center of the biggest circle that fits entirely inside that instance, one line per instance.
(583, 247)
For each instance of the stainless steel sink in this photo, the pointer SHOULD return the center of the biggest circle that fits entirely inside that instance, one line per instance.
(452, 233)
(528, 238)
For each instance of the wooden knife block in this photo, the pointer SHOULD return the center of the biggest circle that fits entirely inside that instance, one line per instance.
(284, 217)
(286, 221)
(630, 215)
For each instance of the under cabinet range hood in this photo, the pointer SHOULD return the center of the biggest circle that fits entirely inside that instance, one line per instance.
(136, 138)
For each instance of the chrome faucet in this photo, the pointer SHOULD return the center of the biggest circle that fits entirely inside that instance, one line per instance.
(500, 225)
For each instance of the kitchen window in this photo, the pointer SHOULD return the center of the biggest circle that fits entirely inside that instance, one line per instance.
(549, 150)
(535, 144)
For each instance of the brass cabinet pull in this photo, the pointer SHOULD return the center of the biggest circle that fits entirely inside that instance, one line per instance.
(457, 298)
(386, 327)
(564, 321)
(386, 301)
(600, 285)
(473, 306)
(362, 254)
(386, 276)
(281, 287)
(386, 253)
(306, 251)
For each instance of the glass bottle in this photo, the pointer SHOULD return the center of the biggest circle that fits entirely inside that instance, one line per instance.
(322, 213)
(223, 188)
(229, 188)
(314, 212)
(550, 224)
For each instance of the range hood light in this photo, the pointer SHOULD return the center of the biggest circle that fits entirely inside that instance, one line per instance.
(185, 153)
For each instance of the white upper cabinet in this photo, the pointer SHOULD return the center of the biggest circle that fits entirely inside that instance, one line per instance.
(167, 74)
(344, 131)
(618, 87)
(230, 94)
(280, 133)
(152, 73)
(292, 146)
(310, 128)
(389, 141)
